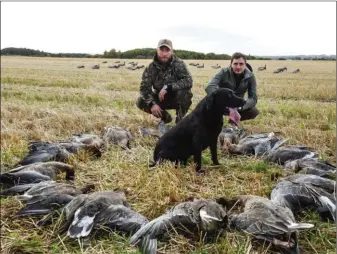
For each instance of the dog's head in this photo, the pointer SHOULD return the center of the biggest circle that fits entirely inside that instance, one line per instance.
(223, 98)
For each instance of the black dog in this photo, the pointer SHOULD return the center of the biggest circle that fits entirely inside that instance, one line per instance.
(197, 131)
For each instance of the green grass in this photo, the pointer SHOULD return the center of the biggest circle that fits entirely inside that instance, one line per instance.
(49, 99)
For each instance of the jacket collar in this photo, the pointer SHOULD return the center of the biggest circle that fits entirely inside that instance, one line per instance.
(161, 65)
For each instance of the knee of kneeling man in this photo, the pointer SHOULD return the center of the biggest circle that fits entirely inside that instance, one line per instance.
(255, 113)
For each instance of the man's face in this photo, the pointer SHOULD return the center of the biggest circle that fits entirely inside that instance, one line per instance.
(238, 65)
(164, 54)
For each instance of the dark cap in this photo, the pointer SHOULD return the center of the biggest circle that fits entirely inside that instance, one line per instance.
(166, 43)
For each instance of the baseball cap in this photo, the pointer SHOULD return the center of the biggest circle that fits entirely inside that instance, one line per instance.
(166, 43)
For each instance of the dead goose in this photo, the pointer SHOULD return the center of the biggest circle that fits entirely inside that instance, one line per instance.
(22, 177)
(257, 144)
(43, 152)
(50, 168)
(120, 218)
(162, 128)
(299, 194)
(59, 151)
(48, 188)
(290, 153)
(36, 172)
(149, 132)
(116, 135)
(230, 135)
(46, 198)
(311, 166)
(317, 181)
(268, 222)
(88, 139)
(87, 210)
(18, 189)
(204, 214)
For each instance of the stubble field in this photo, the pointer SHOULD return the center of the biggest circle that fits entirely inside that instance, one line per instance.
(50, 99)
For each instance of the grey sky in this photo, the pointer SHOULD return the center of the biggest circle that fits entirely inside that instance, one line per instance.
(257, 28)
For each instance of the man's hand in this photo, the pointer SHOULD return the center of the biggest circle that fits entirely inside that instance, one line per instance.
(156, 111)
(162, 93)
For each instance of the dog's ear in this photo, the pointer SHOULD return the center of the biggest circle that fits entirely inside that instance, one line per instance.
(210, 100)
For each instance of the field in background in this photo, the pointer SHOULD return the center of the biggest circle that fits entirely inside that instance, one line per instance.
(50, 99)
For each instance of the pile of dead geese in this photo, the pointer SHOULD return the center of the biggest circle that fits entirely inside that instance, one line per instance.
(268, 220)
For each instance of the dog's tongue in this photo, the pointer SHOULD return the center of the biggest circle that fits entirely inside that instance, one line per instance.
(234, 115)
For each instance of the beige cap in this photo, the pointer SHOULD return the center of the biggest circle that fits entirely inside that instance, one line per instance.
(166, 43)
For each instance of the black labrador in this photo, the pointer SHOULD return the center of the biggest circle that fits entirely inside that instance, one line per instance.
(197, 131)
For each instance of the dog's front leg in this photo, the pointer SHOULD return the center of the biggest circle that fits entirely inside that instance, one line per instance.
(197, 149)
(214, 151)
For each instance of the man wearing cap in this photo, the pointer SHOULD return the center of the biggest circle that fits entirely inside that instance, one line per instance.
(166, 84)
(239, 78)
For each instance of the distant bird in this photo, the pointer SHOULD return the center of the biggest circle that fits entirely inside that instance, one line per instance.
(96, 66)
(203, 214)
(280, 70)
(262, 68)
(217, 66)
(80, 66)
(296, 71)
(132, 68)
(289, 153)
(114, 66)
(299, 192)
(201, 66)
(268, 222)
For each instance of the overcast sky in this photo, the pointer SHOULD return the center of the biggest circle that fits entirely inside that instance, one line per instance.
(252, 28)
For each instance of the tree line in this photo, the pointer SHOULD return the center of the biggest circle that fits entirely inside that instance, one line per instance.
(138, 53)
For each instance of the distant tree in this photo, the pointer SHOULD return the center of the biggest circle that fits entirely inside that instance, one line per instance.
(137, 53)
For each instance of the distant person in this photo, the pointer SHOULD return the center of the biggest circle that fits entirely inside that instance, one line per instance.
(166, 84)
(239, 78)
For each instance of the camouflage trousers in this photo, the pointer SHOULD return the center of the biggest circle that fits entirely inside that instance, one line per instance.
(179, 100)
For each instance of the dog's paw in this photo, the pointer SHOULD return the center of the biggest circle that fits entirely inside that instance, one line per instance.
(201, 172)
(153, 164)
(216, 163)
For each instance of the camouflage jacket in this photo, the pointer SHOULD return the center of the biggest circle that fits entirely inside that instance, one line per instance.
(175, 75)
(225, 78)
